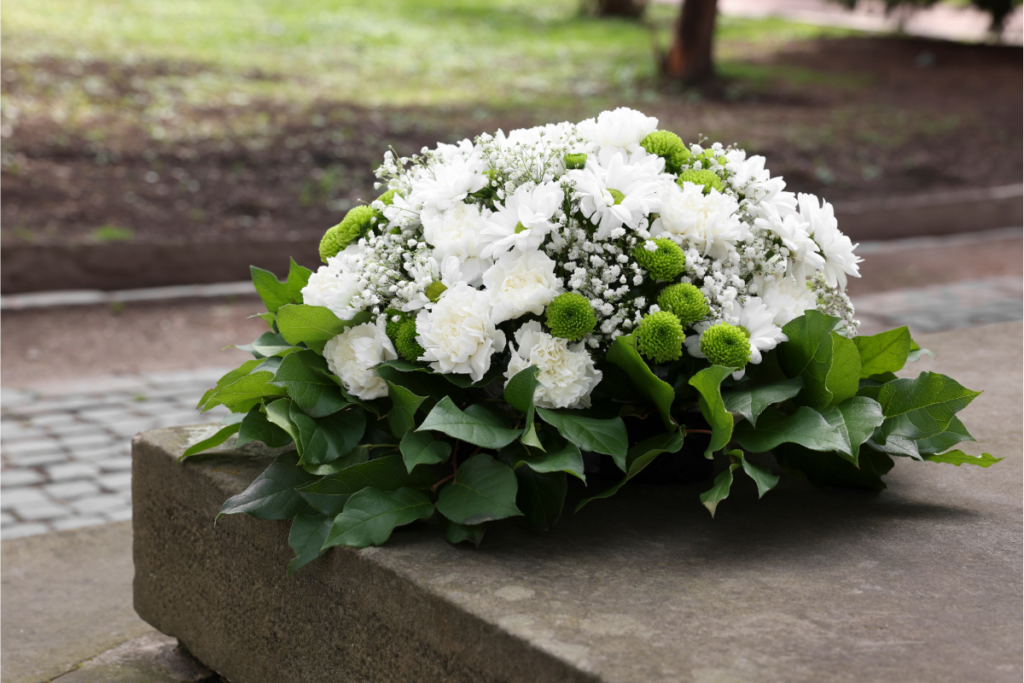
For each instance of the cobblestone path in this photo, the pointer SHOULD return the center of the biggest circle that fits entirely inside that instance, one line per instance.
(65, 451)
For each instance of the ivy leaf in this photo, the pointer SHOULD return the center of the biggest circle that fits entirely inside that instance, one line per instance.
(719, 491)
(843, 377)
(922, 407)
(761, 475)
(955, 433)
(257, 427)
(371, 515)
(750, 402)
(422, 448)
(272, 495)
(885, 352)
(477, 425)
(483, 490)
(959, 458)
(404, 403)
(639, 457)
(274, 293)
(307, 537)
(589, 433)
(658, 393)
(313, 326)
(331, 437)
(298, 278)
(387, 474)
(305, 375)
(519, 394)
(266, 345)
(830, 469)
(808, 354)
(217, 439)
(457, 533)
(566, 459)
(708, 382)
(541, 497)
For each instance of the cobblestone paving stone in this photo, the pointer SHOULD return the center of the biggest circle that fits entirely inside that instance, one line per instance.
(66, 459)
(66, 451)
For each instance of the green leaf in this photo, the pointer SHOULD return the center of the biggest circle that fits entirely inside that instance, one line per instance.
(660, 394)
(279, 413)
(331, 437)
(708, 382)
(541, 497)
(268, 344)
(761, 475)
(855, 419)
(566, 459)
(229, 378)
(420, 381)
(257, 427)
(483, 490)
(805, 426)
(298, 278)
(217, 439)
(274, 293)
(307, 537)
(639, 457)
(387, 474)
(955, 433)
(305, 376)
(719, 491)
(272, 495)
(244, 393)
(959, 458)
(830, 469)
(843, 377)
(457, 533)
(330, 505)
(808, 354)
(423, 448)
(477, 425)
(313, 326)
(922, 407)
(519, 394)
(750, 402)
(589, 433)
(885, 352)
(404, 404)
(371, 515)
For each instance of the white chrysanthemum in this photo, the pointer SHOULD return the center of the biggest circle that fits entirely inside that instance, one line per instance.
(354, 353)
(692, 342)
(521, 283)
(566, 374)
(457, 232)
(441, 186)
(707, 222)
(789, 298)
(449, 273)
(458, 335)
(758, 320)
(836, 247)
(623, 194)
(523, 221)
(402, 213)
(752, 180)
(336, 284)
(804, 258)
(619, 130)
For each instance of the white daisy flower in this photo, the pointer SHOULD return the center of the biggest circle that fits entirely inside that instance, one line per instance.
(709, 223)
(623, 194)
(523, 221)
(836, 247)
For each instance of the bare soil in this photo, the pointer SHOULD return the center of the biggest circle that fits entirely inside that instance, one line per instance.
(849, 118)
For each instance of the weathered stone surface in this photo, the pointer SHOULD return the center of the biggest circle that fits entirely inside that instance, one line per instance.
(921, 582)
(150, 658)
(66, 598)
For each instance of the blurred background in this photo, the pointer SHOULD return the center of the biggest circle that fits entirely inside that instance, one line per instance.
(152, 149)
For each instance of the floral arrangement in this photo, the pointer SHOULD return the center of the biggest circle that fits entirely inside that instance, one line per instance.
(510, 304)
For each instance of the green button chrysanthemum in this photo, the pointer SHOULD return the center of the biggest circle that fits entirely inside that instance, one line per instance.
(435, 289)
(665, 263)
(669, 147)
(575, 161)
(685, 301)
(392, 326)
(388, 198)
(709, 179)
(406, 344)
(570, 316)
(353, 226)
(660, 337)
(727, 345)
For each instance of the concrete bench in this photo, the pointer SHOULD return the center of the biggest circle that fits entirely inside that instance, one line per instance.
(921, 582)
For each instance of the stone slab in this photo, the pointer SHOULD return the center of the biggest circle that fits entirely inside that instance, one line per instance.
(150, 658)
(921, 582)
(66, 598)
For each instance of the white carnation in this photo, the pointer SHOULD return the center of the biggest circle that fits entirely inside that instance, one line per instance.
(521, 283)
(458, 334)
(334, 286)
(354, 353)
(618, 130)
(566, 376)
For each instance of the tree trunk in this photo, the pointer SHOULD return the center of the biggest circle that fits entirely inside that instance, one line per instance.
(689, 60)
(629, 9)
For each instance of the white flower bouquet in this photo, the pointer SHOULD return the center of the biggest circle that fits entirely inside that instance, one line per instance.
(511, 304)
